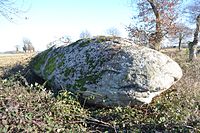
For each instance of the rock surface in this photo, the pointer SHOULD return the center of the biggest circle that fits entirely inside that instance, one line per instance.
(113, 71)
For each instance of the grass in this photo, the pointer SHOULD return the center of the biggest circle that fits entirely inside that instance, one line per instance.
(26, 106)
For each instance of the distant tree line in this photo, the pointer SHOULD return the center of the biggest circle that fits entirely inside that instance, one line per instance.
(27, 46)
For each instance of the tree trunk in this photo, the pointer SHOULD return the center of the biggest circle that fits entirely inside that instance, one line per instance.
(193, 45)
(17, 50)
(180, 41)
(192, 51)
(158, 38)
(158, 41)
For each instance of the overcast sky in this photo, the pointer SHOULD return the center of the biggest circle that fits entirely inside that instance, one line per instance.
(48, 20)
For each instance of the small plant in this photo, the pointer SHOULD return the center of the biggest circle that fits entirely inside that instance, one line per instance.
(33, 108)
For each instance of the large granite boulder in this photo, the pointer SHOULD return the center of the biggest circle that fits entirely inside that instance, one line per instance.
(113, 71)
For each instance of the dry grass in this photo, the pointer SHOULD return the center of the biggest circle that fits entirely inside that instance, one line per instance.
(7, 60)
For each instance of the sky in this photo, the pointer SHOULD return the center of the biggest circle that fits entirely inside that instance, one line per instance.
(48, 20)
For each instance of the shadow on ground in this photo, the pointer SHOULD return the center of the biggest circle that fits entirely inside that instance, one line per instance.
(22, 73)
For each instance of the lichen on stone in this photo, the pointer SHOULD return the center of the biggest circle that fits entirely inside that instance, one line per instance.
(89, 61)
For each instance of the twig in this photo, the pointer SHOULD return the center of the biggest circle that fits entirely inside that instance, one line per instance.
(105, 124)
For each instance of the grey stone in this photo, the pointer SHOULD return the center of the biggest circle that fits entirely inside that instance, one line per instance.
(108, 71)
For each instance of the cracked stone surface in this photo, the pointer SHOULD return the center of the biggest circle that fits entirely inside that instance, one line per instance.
(113, 71)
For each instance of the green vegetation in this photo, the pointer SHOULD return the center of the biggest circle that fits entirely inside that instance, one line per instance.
(50, 66)
(69, 71)
(85, 42)
(60, 64)
(91, 78)
(32, 108)
(75, 43)
(100, 39)
(40, 59)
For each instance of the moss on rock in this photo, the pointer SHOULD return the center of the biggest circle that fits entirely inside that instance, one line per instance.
(85, 42)
(100, 39)
(88, 79)
(75, 43)
(60, 64)
(50, 66)
(40, 59)
(69, 71)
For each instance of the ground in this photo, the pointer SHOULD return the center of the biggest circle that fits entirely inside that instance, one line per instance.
(12, 59)
(26, 106)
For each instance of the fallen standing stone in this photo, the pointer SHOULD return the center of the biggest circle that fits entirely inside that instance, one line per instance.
(114, 71)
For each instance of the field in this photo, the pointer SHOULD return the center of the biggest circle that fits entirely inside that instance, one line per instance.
(26, 106)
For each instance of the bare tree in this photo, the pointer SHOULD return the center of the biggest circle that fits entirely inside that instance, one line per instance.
(17, 48)
(194, 11)
(28, 47)
(85, 34)
(157, 18)
(113, 32)
(181, 32)
(11, 9)
(138, 35)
